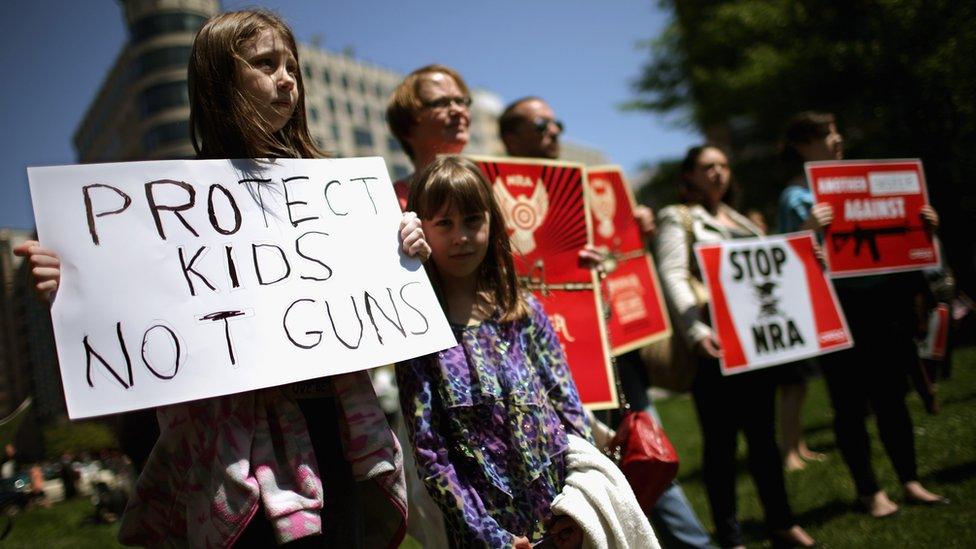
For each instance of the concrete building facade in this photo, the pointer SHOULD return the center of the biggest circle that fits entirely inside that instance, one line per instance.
(142, 110)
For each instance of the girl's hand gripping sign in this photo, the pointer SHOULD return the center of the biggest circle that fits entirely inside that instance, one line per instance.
(771, 303)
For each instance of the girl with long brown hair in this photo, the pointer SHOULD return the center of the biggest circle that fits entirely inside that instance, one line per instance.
(490, 418)
(315, 465)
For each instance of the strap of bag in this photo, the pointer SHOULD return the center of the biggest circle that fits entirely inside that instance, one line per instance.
(687, 223)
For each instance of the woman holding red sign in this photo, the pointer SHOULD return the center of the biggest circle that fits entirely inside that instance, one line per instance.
(880, 312)
(725, 405)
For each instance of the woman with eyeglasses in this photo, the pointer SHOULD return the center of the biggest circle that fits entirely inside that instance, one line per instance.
(429, 115)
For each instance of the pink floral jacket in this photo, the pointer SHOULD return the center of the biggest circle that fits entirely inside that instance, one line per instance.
(219, 460)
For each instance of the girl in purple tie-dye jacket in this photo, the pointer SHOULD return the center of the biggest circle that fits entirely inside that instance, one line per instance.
(488, 418)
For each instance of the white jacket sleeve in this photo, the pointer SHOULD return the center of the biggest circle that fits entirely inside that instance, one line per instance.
(674, 266)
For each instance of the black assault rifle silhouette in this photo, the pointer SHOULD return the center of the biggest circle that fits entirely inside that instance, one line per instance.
(862, 236)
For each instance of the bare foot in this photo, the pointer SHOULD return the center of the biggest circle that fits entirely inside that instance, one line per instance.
(795, 537)
(793, 462)
(916, 493)
(879, 505)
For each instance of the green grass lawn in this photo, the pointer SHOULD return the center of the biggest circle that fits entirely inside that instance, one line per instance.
(65, 525)
(822, 495)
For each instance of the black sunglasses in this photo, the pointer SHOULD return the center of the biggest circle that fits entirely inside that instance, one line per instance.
(541, 125)
(446, 102)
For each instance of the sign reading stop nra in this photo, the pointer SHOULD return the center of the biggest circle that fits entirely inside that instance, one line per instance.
(771, 303)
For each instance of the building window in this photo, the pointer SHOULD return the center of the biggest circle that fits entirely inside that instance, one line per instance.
(349, 108)
(307, 71)
(163, 96)
(162, 58)
(362, 87)
(165, 23)
(313, 114)
(392, 144)
(362, 137)
(345, 82)
(326, 77)
(379, 91)
(331, 103)
(335, 132)
(366, 113)
(400, 171)
(165, 134)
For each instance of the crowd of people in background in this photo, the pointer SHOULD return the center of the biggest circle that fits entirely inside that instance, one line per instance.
(492, 426)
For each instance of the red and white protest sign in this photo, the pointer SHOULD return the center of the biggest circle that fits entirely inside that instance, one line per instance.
(771, 303)
(637, 313)
(877, 227)
(544, 205)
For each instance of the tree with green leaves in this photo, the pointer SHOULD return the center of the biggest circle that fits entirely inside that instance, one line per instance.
(899, 75)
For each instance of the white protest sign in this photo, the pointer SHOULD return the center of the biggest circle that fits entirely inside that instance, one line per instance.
(771, 302)
(190, 279)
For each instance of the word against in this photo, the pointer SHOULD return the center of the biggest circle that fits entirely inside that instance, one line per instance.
(192, 279)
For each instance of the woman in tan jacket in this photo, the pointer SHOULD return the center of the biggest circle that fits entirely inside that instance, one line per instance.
(725, 405)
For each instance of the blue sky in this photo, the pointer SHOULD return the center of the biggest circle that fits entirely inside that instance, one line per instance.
(580, 55)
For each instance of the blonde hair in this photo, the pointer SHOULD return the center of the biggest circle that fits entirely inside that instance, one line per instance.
(457, 183)
(223, 121)
(405, 102)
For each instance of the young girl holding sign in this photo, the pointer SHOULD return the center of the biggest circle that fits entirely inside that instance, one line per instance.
(489, 418)
(263, 467)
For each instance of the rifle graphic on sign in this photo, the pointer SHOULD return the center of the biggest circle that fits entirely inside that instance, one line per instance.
(862, 236)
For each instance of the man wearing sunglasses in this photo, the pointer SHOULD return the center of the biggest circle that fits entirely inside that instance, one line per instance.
(529, 128)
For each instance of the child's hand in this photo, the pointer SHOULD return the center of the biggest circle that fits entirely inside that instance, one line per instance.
(45, 268)
(412, 237)
(522, 542)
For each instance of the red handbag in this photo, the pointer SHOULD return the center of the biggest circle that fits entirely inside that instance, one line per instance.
(646, 457)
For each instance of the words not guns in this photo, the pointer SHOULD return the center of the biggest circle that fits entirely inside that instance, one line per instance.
(366, 318)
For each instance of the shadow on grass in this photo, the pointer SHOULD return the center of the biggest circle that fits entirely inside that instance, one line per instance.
(957, 399)
(824, 513)
(755, 530)
(954, 474)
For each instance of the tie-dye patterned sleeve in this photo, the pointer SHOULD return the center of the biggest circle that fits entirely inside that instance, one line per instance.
(547, 354)
(462, 506)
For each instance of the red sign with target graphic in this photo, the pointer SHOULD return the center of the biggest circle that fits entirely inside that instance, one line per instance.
(545, 210)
